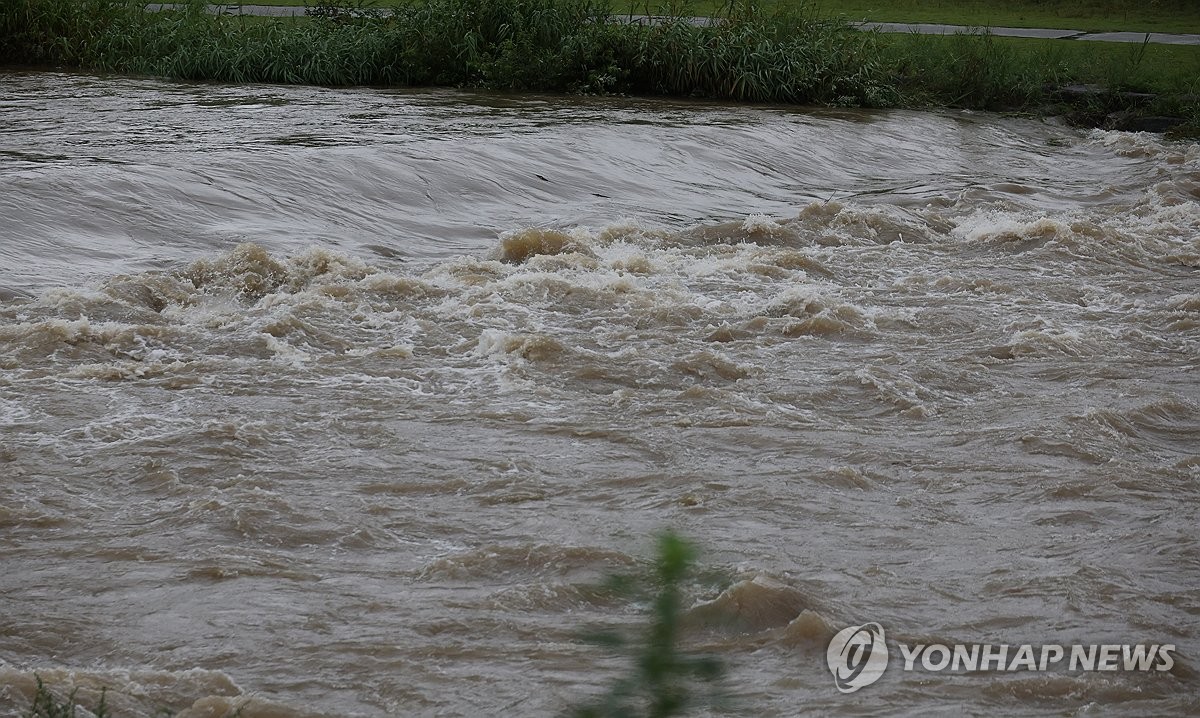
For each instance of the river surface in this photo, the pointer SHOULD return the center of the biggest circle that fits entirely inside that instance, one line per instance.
(343, 402)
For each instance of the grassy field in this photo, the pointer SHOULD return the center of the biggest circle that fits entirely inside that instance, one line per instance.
(1182, 16)
(1176, 16)
(1018, 74)
(1160, 69)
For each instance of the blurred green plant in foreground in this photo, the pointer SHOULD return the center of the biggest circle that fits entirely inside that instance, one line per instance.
(663, 680)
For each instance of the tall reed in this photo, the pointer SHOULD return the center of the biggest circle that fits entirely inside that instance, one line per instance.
(563, 45)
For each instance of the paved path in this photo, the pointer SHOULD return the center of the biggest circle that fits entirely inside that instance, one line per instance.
(262, 10)
(896, 27)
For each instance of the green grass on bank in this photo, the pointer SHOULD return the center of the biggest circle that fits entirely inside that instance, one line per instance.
(1173, 16)
(995, 72)
(570, 46)
(1178, 16)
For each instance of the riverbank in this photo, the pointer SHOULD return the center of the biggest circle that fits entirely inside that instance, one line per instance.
(1164, 16)
(569, 46)
(279, 9)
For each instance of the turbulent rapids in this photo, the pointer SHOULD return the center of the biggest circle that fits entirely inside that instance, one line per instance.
(327, 402)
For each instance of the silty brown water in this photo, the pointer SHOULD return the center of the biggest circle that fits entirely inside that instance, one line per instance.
(344, 400)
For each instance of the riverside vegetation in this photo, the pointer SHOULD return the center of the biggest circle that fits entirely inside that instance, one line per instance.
(1176, 16)
(786, 55)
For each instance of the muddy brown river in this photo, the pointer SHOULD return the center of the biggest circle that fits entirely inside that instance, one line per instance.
(323, 402)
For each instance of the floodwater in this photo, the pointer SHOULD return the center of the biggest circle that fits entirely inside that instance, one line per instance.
(343, 402)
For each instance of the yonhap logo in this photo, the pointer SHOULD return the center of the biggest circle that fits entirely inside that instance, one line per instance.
(857, 656)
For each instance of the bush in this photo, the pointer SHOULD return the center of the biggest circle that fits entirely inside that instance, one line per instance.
(548, 45)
